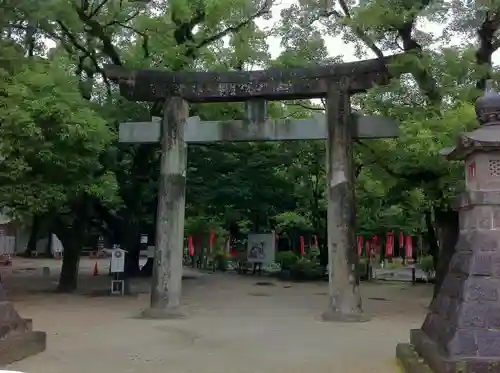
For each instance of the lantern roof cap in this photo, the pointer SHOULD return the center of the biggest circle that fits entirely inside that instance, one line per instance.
(485, 138)
(488, 106)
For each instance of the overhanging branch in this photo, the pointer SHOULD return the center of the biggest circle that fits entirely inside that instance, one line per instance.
(356, 29)
(488, 44)
(233, 29)
(96, 10)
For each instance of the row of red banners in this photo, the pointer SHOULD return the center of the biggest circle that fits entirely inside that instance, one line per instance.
(191, 249)
(303, 245)
(372, 246)
(191, 246)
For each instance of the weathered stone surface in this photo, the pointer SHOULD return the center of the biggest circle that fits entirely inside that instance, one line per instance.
(17, 339)
(468, 302)
(271, 84)
(424, 355)
(198, 131)
(166, 284)
(21, 346)
(461, 332)
(409, 360)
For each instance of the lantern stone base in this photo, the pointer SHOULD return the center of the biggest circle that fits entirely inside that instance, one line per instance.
(423, 355)
(17, 338)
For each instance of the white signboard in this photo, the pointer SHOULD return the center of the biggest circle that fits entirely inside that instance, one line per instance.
(118, 261)
(261, 248)
(144, 238)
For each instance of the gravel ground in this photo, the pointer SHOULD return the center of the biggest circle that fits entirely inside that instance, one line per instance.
(232, 325)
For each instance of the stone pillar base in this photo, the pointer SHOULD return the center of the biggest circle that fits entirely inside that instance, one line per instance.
(335, 316)
(423, 355)
(163, 314)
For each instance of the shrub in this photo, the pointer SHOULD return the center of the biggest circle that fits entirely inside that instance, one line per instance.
(221, 259)
(313, 254)
(306, 269)
(395, 265)
(427, 264)
(286, 259)
(362, 267)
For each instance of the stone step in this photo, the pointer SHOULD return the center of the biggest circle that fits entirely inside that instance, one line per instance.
(19, 346)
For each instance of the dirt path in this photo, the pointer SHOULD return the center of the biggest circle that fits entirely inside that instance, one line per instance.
(233, 325)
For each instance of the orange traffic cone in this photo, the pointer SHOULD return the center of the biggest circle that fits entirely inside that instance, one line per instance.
(96, 269)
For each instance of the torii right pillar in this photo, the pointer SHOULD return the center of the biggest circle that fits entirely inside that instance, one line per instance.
(461, 332)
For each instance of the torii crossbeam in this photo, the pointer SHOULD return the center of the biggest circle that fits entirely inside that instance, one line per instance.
(272, 84)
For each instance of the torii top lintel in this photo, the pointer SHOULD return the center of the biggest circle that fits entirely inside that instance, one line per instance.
(271, 84)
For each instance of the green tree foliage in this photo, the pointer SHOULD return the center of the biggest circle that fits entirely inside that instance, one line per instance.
(50, 151)
(60, 113)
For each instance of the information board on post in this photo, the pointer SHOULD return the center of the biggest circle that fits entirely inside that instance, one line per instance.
(118, 261)
(261, 248)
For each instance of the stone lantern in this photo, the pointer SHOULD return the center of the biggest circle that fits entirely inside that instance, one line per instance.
(461, 332)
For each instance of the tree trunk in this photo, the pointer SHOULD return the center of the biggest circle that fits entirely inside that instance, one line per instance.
(68, 280)
(448, 228)
(35, 229)
(48, 249)
(323, 242)
(131, 243)
(132, 267)
(72, 238)
(431, 238)
(147, 268)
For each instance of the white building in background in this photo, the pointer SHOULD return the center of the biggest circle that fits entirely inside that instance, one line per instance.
(14, 238)
(8, 233)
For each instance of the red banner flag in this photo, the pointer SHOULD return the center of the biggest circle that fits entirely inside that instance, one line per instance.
(409, 247)
(401, 240)
(302, 246)
(376, 242)
(190, 246)
(389, 247)
(376, 245)
(360, 245)
(212, 240)
(315, 242)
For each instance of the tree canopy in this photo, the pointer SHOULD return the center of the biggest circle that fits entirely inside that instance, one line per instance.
(60, 112)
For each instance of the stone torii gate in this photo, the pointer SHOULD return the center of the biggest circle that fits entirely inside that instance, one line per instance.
(336, 82)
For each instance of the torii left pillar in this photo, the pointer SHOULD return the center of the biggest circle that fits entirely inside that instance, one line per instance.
(167, 269)
(344, 293)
